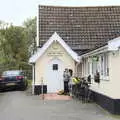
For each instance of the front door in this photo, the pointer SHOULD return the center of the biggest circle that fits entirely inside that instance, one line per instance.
(54, 76)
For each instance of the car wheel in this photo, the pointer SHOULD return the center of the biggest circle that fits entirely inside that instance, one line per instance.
(2, 88)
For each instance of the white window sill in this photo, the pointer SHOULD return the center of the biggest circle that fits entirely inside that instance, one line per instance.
(105, 78)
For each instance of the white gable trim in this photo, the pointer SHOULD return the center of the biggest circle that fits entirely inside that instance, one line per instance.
(54, 37)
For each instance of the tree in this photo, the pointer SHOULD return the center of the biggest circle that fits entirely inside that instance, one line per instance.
(3, 25)
(30, 30)
(13, 46)
(17, 43)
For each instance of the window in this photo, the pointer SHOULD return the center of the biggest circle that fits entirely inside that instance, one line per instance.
(12, 73)
(55, 66)
(88, 68)
(106, 70)
(94, 67)
(104, 65)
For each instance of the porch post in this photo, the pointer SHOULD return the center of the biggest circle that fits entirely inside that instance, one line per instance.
(76, 69)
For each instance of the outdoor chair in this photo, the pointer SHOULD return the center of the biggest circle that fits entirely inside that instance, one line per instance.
(81, 94)
(77, 90)
(81, 91)
(84, 92)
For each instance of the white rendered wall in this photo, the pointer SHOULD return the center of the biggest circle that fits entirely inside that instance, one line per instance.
(46, 57)
(109, 86)
(115, 74)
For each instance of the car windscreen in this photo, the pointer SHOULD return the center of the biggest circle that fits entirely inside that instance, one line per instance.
(11, 73)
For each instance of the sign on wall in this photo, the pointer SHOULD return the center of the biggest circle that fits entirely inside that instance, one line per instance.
(55, 53)
(55, 50)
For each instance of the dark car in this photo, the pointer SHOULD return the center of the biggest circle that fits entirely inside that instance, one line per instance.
(13, 78)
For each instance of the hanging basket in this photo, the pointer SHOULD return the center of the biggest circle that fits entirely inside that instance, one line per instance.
(95, 58)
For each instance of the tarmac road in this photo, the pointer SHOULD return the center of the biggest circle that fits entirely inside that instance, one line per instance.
(20, 105)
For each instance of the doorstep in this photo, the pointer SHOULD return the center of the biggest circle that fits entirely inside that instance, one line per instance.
(55, 96)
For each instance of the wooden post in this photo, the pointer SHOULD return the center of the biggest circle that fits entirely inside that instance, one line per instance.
(33, 81)
(42, 89)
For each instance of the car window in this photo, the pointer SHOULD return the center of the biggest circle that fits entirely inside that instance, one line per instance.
(11, 73)
(22, 73)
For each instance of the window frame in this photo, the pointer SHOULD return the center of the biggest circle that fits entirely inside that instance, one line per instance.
(104, 65)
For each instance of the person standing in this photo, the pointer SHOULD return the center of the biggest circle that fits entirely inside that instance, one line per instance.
(66, 78)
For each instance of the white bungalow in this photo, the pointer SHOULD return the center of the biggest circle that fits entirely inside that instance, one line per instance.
(50, 61)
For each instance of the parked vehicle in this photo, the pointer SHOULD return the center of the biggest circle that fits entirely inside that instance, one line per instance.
(13, 78)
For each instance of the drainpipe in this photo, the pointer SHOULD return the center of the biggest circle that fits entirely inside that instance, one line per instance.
(33, 83)
(76, 65)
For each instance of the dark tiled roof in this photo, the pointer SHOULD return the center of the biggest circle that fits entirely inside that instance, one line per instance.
(80, 27)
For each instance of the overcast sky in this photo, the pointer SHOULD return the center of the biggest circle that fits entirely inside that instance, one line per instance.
(16, 11)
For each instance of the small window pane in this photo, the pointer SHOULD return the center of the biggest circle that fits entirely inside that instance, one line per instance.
(55, 66)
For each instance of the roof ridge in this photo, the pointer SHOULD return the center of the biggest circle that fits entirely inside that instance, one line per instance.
(62, 6)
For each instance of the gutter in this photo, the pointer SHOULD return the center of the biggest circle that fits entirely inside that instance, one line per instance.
(95, 52)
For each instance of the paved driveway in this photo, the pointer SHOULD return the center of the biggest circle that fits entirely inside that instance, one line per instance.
(18, 105)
